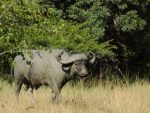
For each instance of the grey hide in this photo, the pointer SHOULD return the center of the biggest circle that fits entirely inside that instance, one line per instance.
(52, 68)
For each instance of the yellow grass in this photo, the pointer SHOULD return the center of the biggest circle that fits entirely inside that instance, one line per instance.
(126, 99)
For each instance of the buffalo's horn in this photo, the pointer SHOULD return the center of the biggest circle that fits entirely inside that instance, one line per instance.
(73, 58)
(92, 57)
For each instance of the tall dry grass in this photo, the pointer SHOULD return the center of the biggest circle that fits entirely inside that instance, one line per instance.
(133, 98)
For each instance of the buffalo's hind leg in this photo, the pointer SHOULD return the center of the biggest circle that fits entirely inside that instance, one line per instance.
(18, 88)
(29, 88)
(31, 93)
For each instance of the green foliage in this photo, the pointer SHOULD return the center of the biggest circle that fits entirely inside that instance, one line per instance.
(131, 22)
(27, 27)
(111, 29)
(92, 14)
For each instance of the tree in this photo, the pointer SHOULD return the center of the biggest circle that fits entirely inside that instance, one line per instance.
(112, 29)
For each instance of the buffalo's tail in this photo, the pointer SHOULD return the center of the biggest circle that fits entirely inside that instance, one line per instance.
(12, 73)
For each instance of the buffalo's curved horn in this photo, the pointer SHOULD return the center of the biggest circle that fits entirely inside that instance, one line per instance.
(73, 58)
(91, 57)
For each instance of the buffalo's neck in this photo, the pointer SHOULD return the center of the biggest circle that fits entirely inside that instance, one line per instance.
(66, 78)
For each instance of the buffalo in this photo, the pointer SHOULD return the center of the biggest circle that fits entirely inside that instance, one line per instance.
(53, 68)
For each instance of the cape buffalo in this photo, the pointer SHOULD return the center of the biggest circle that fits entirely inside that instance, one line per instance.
(52, 68)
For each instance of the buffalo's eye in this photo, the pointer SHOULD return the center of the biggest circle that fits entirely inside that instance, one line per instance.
(77, 63)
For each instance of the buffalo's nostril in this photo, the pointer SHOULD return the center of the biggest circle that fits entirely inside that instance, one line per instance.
(84, 74)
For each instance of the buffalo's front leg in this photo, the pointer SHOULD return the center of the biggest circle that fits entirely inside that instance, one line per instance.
(56, 94)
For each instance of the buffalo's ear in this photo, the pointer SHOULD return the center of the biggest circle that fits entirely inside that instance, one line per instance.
(66, 67)
(91, 57)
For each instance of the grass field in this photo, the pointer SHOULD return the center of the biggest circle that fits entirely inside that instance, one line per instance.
(133, 98)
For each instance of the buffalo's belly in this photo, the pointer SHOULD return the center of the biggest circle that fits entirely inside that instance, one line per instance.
(39, 78)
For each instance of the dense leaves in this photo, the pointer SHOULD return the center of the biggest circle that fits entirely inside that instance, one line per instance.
(113, 29)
